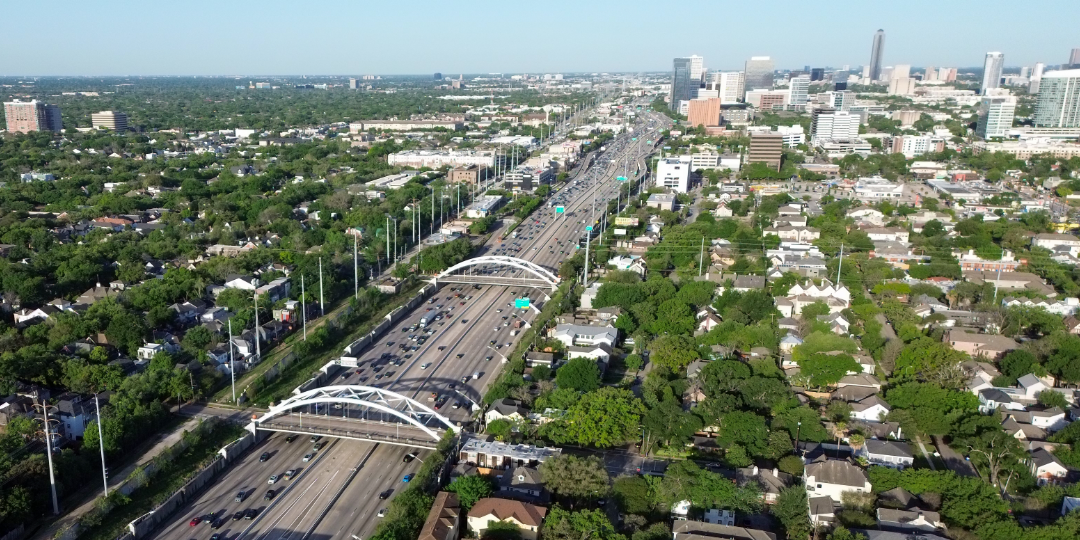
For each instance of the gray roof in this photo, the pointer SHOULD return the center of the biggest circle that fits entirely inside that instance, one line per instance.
(889, 535)
(837, 471)
(995, 395)
(507, 407)
(822, 506)
(1041, 457)
(700, 530)
(888, 448)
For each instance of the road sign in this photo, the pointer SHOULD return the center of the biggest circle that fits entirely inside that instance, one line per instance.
(560, 209)
(521, 303)
(588, 227)
(620, 178)
(648, 142)
(667, 148)
(633, 138)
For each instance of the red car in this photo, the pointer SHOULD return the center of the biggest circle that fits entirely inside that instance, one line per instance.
(195, 521)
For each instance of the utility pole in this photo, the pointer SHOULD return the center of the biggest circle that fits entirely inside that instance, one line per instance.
(48, 449)
(701, 259)
(232, 366)
(840, 266)
(258, 346)
(432, 209)
(303, 308)
(588, 240)
(322, 309)
(101, 445)
(387, 238)
(355, 267)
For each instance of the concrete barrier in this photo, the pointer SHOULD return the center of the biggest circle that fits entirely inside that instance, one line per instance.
(349, 361)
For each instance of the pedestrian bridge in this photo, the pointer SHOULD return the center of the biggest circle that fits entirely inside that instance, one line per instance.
(499, 270)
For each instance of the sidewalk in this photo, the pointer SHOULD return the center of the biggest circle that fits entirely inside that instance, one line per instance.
(87, 500)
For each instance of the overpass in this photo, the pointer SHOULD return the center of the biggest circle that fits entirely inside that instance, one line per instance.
(356, 412)
(494, 270)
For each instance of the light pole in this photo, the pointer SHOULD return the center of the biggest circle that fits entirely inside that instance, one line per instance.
(798, 431)
(232, 366)
(101, 443)
(48, 449)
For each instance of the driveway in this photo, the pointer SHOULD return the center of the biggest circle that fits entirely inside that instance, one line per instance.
(953, 460)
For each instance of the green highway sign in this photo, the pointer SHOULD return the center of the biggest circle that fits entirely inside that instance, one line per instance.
(648, 142)
(633, 138)
(560, 209)
(620, 178)
(588, 227)
(521, 303)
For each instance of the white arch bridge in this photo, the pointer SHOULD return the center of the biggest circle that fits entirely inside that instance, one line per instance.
(499, 270)
(364, 413)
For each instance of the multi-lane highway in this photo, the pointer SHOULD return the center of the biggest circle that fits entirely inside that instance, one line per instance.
(336, 495)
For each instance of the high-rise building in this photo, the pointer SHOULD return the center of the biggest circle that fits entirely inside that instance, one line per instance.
(704, 112)
(438, 76)
(840, 100)
(841, 86)
(876, 52)
(116, 121)
(697, 70)
(1025, 72)
(947, 74)
(27, 116)
(830, 124)
(904, 86)
(729, 85)
(758, 73)
(353, 84)
(682, 87)
(995, 116)
(930, 74)
(799, 90)
(900, 71)
(1074, 57)
(995, 62)
(1036, 78)
(1058, 104)
(817, 74)
(767, 148)
(674, 173)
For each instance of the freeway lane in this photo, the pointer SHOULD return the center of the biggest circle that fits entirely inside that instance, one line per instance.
(382, 466)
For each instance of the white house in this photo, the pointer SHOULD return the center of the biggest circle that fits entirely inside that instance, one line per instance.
(245, 283)
(832, 477)
(909, 520)
(867, 215)
(578, 335)
(632, 263)
(599, 352)
(870, 409)
(1046, 468)
(889, 234)
(506, 409)
(893, 454)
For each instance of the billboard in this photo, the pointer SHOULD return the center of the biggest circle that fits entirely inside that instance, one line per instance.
(620, 232)
(626, 221)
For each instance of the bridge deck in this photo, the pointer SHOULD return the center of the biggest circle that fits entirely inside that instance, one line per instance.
(351, 428)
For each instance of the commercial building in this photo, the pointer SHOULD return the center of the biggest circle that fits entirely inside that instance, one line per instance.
(704, 112)
(441, 158)
(817, 74)
(685, 78)
(877, 188)
(112, 120)
(829, 124)
(799, 90)
(1074, 56)
(767, 149)
(1058, 104)
(876, 51)
(525, 178)
(767, 99)
(484, 206)
(916, 145)
(1036, 78)
(710, 160)
(405, 125)
(903, 86)
(469, 174)
(992, 68)
(995, 116)
(1031, 147)
(730, 86)
(674, 173)
(34, 115)
(758, 73)
(838, 148)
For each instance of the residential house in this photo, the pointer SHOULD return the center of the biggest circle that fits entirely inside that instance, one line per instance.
(74, 412)
(687, 529)
(837, 323)
(1063, 307)
(599, 352)
(864, 380)
(874, 534)
(499, 455)
(580, 335)
(29, 316)
(1052, 240)
(770, 481)
(526, 517)
(868, 216)
(523, 484)
(890, 519)
(1023, 431)
(870, 409)
(244, 283)
(822, 511)
(98, 292)
(444, 519)
(275, 290)
(990, 399)
(989, 346)
(629, 263)
(506, 409)
(789, 342)
(1011, 281)
(1069, 504)
(795, 234)
(1046, 468)
(893, 454)
(887, 234)
(832, 477)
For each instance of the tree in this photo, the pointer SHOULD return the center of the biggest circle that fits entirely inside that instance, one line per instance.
(803, 423)
(500, 428)
(561, 524)
(575, 477)
(745, 429)
(994, 451)
(580, 374)
(790, 509)
(842, 533)
(822, 369)
(471, 488)
(633, 362)
(1053, 398)
(686, 481)
(501, 530)
(933, 361)
(633, 496)
(673, 352)
(668, 423)
(792, 465)
(604, 418)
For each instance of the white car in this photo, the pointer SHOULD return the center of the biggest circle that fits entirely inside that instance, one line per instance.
(273, 479)
(382, 512)
(425, 366)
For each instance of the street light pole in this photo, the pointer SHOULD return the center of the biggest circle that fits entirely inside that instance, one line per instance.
(48, 449)
(322, 309)
(232, 366)
(101, 444)
(303, 305)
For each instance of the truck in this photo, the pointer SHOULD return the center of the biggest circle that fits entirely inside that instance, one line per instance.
(423, 322)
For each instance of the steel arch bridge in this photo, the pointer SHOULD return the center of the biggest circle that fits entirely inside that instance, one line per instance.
(542, 277)
(408, 410)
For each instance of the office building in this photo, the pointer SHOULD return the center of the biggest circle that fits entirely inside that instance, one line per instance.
(947, 74)
(704, 112)
(992, 67)
(799, 90)
(767, 148)
(1074, 57)
(876, 52)
(900, 71)
(353, 85)
(758, 73)
(840, 86)
(995, 116)
(697, 70)
(730, 86)
(1036, 78)
(830, 124)
(1058, 104)
(674, 173)
(929, 74)
(438, 76)
(904, 86)
(840, 100)
(916, 145)
(112, 120)
(27, 116)
(817, 74)
(767, 99)
(682, 84)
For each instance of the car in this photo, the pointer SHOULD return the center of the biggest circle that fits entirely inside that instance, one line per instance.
(433, 396)
(217, 523)
(385, 494)
(461, 355)
(492, 342)
(364, 379)
(265, 456)
(273, 479)
(315, 438)
(487, 359)
(409, 457)
(477, 374)
(463, 321)
(250, 513)
(217, 536)
(407, 478)
(289, 474)
(195, 521)
(291, 438)
(465, 379)
(379, 377)
(308, 456)
(239, 514)
(382, 512)
(457, 404)
(442, 347)
(240, 496)
(319, 446)
(425, 366)
(269, 495)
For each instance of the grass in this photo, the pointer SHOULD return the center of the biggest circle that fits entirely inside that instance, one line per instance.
(174, 474)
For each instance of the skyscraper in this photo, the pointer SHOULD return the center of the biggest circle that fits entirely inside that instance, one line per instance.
(1074, 57)
(730, 85)
(995, 116)
(817, 74)
(113, 120)
(1058, 104)
(682, 89)
(875, 55)
(758, 73)
(1036, 78)
(799, 90)
(930, 74)
(697, 70)
(995, 62)
(27, 116)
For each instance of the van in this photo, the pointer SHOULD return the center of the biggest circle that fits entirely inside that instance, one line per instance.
(476, 375)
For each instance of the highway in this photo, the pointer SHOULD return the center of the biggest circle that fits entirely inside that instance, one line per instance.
(327, 500)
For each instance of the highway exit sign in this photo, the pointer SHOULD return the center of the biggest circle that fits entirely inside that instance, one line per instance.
(588, 227)
(620, 178)
(521, 303)
(560, 209)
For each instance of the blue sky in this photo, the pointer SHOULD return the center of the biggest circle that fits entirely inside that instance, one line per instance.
(241, 37)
